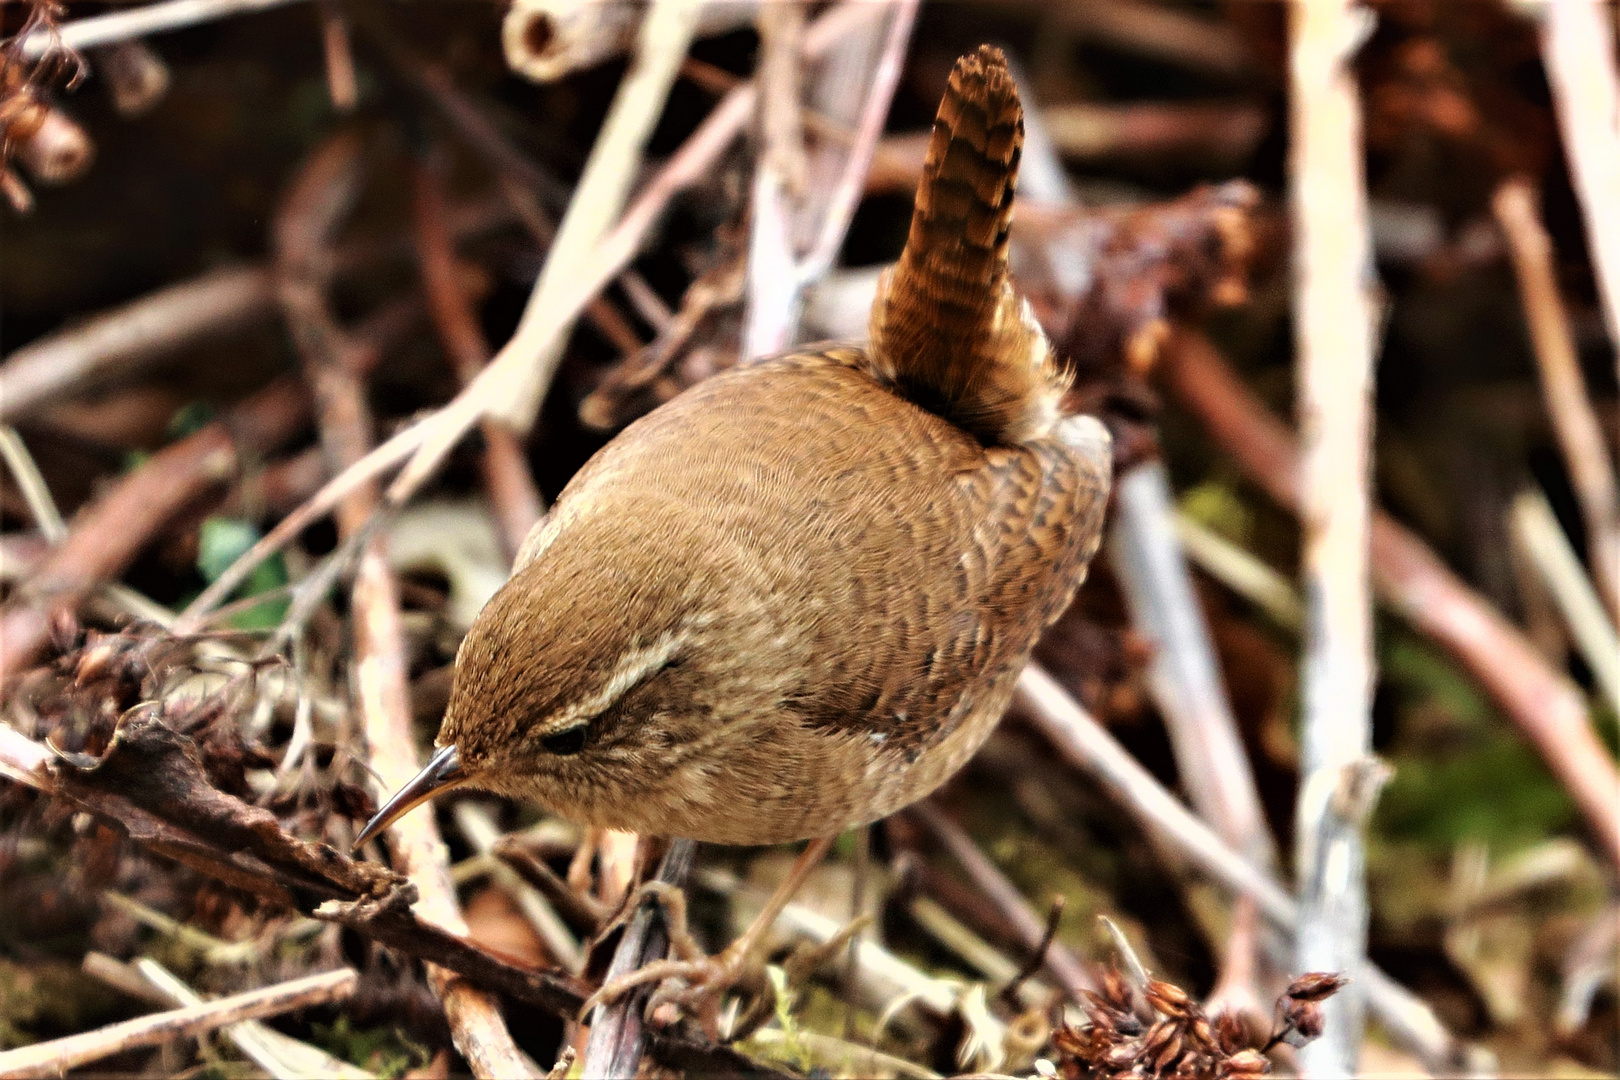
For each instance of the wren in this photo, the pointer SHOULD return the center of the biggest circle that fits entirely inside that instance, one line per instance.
(796, 598)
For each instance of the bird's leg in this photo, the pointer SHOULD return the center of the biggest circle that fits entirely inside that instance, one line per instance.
(707, 977)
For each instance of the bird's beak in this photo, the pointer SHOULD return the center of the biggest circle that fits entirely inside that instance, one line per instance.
(441, 774)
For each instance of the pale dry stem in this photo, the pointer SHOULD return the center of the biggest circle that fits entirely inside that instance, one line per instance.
(1335, 350)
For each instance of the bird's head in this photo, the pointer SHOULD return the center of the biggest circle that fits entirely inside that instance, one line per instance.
(583, 677)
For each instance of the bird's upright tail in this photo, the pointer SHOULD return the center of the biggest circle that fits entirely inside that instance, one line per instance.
(947, 330)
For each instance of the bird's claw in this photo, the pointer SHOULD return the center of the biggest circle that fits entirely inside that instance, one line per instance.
(695, 986)
(705, 978)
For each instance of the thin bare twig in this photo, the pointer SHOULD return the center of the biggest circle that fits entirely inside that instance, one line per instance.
(541, 328)
(1545, 705)
(123, 978)
(1172, 34)
(846, 194)
(125, 339)
(1223, 133)
(1037, 956)
(205, 831)
(598, 200)
(385, 709)
(1185, 676)
(583, 912)
(478, 826)
(342, 86)
(1186, 683)
(1580, 436)
(600, 194)
(507, 480)
(129, 339)
(856, 87)
(779, 183)
(47, 518)
(210, 949)
(1542, 540)
(1135, 970)
(1240, 571)
(935, 919)
(282, 1056)
(720, 286)
(1088, 746)
(1334, 345)
(521, 181)
(56, 1057)
(1064, 966)
(833, 1056)
(108, 534)
(883, 982)
(781, 94)
(139, 22)
(1577, 49)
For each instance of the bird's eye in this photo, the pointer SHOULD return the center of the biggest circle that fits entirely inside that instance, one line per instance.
(564, 743)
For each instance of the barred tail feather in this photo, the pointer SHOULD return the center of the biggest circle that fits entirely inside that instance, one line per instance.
(947, 330)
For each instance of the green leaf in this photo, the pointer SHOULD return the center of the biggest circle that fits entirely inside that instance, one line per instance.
(222, 541)
(387, 1051)
(190, 418)
(1216, 506)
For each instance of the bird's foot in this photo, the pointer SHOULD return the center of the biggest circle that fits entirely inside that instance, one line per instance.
(697, 982)
(691, 980)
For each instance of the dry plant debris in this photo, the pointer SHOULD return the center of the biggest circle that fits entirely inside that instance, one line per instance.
(1177, 1041)
(206, 320)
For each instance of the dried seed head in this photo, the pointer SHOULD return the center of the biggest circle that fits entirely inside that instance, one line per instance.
(95, 660)
(1315, 986)
(1302, 1022)
(1098, 1011)
(1166, 1058)
(57, 150)
(1309, 1022)
(1169, 999)
(1105, 1017)
(1115, 991)
(1069, 1041)
(1160, 1035)
(1245, 1064)
(1122, 1057)
(65, 630)
(1231, 1033)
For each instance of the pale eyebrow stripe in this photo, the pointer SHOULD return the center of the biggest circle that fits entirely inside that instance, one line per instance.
(634, 666)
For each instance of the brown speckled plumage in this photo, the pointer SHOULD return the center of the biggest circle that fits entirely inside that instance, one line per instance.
(796, 598)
